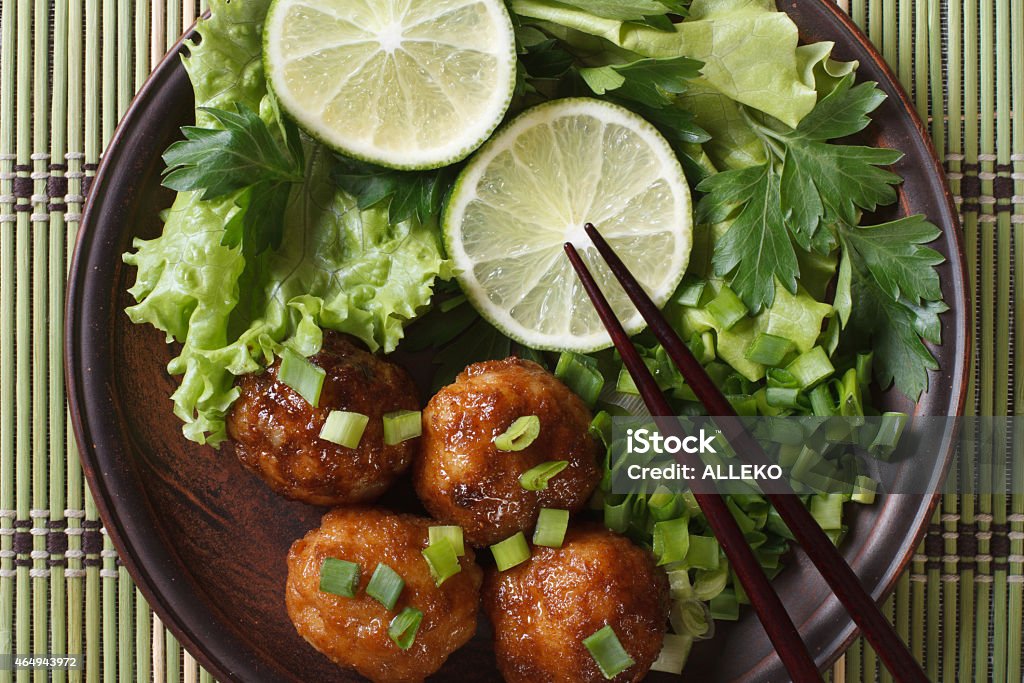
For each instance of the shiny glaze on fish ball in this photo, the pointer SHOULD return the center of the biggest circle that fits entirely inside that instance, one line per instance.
(277, 432)
(544, 608)
(353, 632)
(464, 479)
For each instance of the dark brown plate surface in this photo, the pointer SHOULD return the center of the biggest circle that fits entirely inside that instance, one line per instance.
(206, 541)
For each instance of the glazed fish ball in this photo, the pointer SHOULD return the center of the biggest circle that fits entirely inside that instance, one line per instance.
(461, 475)
(277, 432)
(353, 631)
(543, 609)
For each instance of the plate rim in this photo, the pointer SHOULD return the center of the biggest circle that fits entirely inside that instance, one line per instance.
(103, 497)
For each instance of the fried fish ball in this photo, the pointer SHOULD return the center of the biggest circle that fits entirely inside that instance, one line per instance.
(353, 632)
(277, 432)
(544, 608)
(464, 479)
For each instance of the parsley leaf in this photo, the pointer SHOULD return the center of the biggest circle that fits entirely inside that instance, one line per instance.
(811, 194)
(408, 193)
(651, 82)
(246, 157)
(890, 275)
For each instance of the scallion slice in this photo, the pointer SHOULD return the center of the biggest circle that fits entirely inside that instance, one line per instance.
(781, 397)
(452, 534)
(402, 425)
(344, 428)
(724, 606)
(302, 376)
(727, 308)
(674, 652)
(537, 478)
(339, 577)
(703, 552)
(402, 630)
(385, 585)
(864, 490)
(520, 434)
(442, 560)
(551, 526)
(672, 540)
(625, 383)
(604, 646)
(510, 552)
(810, 368)
(769, 349)
(827, 510)
(690, 291)
(581, 375)
(890, 429)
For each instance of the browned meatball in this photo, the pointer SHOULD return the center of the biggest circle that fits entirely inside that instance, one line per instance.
(544, 608)
(277, 432)
(353, 632)
(462, 477)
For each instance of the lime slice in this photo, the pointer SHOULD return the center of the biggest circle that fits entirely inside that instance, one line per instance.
(533, 186)
(400, 83)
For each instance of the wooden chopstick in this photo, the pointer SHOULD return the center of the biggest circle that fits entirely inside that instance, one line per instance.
(766, 602)
(825, 556)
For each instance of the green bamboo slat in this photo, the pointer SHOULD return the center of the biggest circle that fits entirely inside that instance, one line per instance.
(1016, 607)
(23, 456)
(40, 258)
(7, 239)
(55, 285)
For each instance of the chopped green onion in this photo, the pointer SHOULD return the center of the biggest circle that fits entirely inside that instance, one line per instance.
(745, 405)
(339, 577)
(776, 525)
(452, 534)
(690, 291)
(581, 375)
(727, 308)
(890, 429)
(671, 540)
(707, 583)
(385, 585)
(864, 490)
(618, 513)
(690, 617)
(703, 552)
(536, 478)
(402, 425)
(781, 397)
(604, 646)
(510, 552)
(551, 526)
(865, 361)
(663, 504)
(302, 376)
(442, 560)
(520, 434)
(679, 584)
(725, 606)
(625, 383)
(737, 588)
(404, 626)
(810, 368)
(837, 535)
(822, 402)
(827, 510)
(344, 428)
(768, 349)
(781, 377)
(674, 652)
(744, 522)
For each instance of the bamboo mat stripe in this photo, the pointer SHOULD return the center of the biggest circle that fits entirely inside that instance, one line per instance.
(68, 70)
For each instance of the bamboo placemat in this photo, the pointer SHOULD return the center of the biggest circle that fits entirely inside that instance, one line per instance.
(68, 69)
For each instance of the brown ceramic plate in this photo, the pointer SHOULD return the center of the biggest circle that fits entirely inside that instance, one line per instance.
(206, 541)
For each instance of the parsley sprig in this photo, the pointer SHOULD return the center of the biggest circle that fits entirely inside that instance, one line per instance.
(247, 156)
(810, 195)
